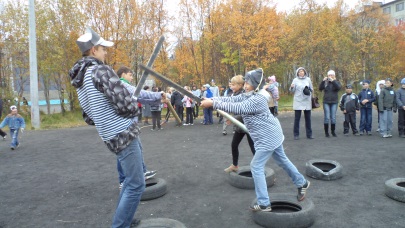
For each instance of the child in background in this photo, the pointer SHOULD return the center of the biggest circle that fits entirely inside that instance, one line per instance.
(401, 109)
(189, 105)
(15, 122)
(274, 96)
(266, 133)
(237, 88)
(386, 106)
(349, 104)
(380, 85)
(366, 98)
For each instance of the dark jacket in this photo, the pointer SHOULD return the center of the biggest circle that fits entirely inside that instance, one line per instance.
(387, 100)
(176, 99)
(401, 98)
(331, 90)
(349, 102)
(366, 94)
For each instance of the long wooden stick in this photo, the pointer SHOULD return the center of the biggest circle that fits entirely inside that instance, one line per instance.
(169, 105)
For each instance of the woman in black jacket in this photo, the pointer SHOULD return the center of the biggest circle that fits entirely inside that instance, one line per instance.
(331, 87)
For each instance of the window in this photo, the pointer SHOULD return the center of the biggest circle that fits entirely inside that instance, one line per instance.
(387, 10)
(399, 21)
(399, 6)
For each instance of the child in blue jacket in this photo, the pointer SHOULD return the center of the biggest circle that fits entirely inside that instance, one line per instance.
(15, 122)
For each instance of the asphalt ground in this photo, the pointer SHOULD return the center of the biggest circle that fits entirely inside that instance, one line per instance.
(68, 178)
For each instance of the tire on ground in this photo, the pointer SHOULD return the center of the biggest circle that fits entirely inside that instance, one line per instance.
(395, 189)
(161, 223)
(324, 169)
(243, 178)
(154, 188)
(287, 212)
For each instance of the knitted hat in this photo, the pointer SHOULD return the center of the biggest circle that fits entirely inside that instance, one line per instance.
(13, 107)
(331, 72)
(207, 85)
(366, 81)
(272, 78)
(403, 81)
(349, 86)
(91, 39)
(255, 78)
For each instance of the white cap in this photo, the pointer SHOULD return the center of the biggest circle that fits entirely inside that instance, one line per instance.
(13, 107)
(91, 39)
(331, 72)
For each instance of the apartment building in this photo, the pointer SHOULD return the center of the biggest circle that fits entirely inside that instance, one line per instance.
(396, 9)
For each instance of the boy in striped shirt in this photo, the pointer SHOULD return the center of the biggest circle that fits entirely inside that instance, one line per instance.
(266, 133)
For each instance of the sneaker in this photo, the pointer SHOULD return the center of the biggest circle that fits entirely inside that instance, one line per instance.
(122, 183)
(369, 133)
(161, 128)
(356, 134)
(347, 134)
(303, 191)
(378, 130)
(18, 145)
(361, 133)
(12, 148)
(389, 135)
(152, 129)
(258, 207)
(4, 137)
(135, 222)
(402, 136)
(191, 124)
(385, 136)
(149, 174)
(231, 168)
(224, 132)
(186, 124)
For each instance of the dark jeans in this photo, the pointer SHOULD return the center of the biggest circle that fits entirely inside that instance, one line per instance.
(365, 119)
(308, 129)
(156, 116)
(350, 118)
(401, 121)
(189, 115)
(237, 138)
(179, 110)
(208, 116)
(195, 110)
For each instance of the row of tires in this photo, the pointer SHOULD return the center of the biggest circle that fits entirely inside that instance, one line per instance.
(286, 210)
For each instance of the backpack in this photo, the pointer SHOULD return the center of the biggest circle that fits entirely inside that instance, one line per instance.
(209, 93)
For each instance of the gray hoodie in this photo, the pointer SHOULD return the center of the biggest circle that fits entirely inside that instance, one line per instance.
(301, 101)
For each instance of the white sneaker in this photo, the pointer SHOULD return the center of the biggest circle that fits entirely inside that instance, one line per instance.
(186, 124)
(149, 174)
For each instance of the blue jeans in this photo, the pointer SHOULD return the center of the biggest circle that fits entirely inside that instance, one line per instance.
(365, 119)
(121, 175)
(257, 166)
(134, 184)
(386, 122)
(329, 113)
(208, 119)
(14, 139)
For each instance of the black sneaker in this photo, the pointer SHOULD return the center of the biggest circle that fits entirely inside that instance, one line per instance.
(303, 191)
(258, 207)
(149, 174)
(12, 148)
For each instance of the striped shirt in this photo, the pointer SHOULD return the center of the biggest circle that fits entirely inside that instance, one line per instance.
(264, 129)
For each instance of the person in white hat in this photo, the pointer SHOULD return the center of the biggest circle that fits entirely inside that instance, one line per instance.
(15, 123)
(110, 105)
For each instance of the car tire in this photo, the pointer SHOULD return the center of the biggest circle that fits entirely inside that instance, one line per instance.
(160, 223)
(395, 189)
(243, 178)
(324, 169)
(154, 188)
(286, 212)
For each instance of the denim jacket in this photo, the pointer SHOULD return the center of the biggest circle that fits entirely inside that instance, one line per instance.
(13, 122)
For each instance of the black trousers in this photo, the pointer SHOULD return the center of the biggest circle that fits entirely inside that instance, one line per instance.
(195, 110)
(308, 128)
(179, 110)
(237, 138)
(401, 121)
(189, 115)
(156, 116)
(350, 118)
